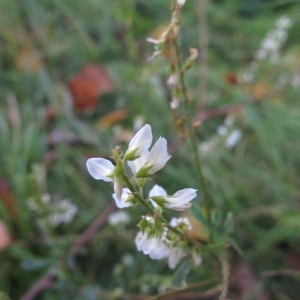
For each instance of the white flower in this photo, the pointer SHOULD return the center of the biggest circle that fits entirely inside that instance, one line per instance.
(118, 217)
(118, 188)
(284, 22)
(103, 169)
(181, 2)
(64, 212)
(175, 255)
(154, 41)
(156, 191)
(176, 222)
(161, 246)
(151, 161)
(122, 201)
(197, 259)
(152, 246)
(140, 143)
(179, 201)
(233, 139)
(100, 169)
(172, 80)
(157, 249)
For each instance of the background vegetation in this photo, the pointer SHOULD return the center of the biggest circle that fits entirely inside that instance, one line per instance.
(76, 81)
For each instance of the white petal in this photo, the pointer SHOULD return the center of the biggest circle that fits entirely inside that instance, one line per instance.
(140, 239)
(157, 191)
(180, 200)
(158, 156)
(175, 256)
(153, 41)
(100, 168)
(182, 207)
(197, 259)
(137, 164)
(122, 202)
(181, 2)
(118, 187)
(158, 249)
(118, 217)
(141, 141)
(178, 221)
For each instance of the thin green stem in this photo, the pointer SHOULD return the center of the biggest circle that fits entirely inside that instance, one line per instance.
(191, 132)
(225, 278)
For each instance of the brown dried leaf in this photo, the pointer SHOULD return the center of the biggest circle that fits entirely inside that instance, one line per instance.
(5, 238)
(113, 118)
(8, 199)
(88, 85)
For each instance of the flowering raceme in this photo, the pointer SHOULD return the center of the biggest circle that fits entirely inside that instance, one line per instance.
(158, 238)
(143, 163)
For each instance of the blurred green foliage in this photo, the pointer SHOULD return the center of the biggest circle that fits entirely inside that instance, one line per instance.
(44, 143)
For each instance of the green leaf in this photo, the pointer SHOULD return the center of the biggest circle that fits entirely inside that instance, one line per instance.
(232, 242)
(181, 274)
(198, 214)
(228, 223)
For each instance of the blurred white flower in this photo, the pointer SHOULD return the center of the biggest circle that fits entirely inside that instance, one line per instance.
(233, 139)
(128, 259)
(174, 103)
(138, 122)
(284, 22)
(46, 198)
(175, 255)
(118, 217)
(152, 246)
(197, 259)
(57, 212)
(222, 130)
(273, 40)
(63, 212)
(181, 2)
(154, 41)
(173, 79)
(176, 222)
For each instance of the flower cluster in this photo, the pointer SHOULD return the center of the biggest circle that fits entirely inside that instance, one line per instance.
(158, 238)
(58, 212)
(274, 39)
(143, 162)
(165, 245)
